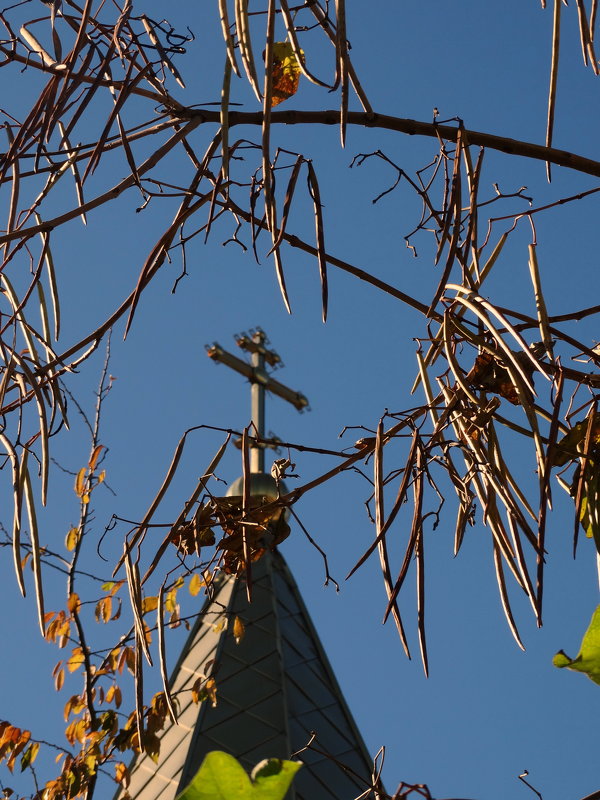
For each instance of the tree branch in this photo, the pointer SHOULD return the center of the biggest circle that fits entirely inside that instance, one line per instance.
(411, 127)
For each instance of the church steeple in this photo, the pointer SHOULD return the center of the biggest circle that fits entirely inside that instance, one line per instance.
(275, 689)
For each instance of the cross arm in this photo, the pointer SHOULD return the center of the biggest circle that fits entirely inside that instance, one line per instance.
(257, 375)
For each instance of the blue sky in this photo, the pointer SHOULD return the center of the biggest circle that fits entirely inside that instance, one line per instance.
(488, 711)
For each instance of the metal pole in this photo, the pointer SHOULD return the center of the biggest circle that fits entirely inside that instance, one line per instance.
(257, 393)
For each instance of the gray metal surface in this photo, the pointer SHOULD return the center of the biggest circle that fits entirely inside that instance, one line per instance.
(274, 689)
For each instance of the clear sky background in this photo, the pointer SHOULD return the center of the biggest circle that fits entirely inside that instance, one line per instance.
(488, 711)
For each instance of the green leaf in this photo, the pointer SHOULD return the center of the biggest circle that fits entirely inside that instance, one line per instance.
(567, 449)
(222, 777)
(588, 660)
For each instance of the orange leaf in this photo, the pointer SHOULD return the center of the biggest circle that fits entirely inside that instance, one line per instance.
(95, 456)
(73, 603)
(239, 629)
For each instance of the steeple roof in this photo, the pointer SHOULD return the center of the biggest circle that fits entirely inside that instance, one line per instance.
(274, 689)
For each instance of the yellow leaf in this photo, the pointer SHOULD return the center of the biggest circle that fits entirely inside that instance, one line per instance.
(80, 482)
(85, 499)
(286, 72)
(195, 584)
(71, 539)
(102, 476)
(76, 660)
(149, 604)
(112, 587)
(239, 629)
(171, 600)
(80, 730)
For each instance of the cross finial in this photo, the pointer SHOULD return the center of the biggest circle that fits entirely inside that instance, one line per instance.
(255, 344)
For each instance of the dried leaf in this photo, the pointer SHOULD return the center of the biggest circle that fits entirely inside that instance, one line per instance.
(313, 186)
(285, 72)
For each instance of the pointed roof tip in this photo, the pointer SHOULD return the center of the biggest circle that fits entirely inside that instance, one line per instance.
(275, 689)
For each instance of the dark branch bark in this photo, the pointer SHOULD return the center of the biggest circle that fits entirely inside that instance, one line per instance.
(411, 127)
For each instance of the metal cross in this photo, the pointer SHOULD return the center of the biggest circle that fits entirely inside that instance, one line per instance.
(261, 381)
